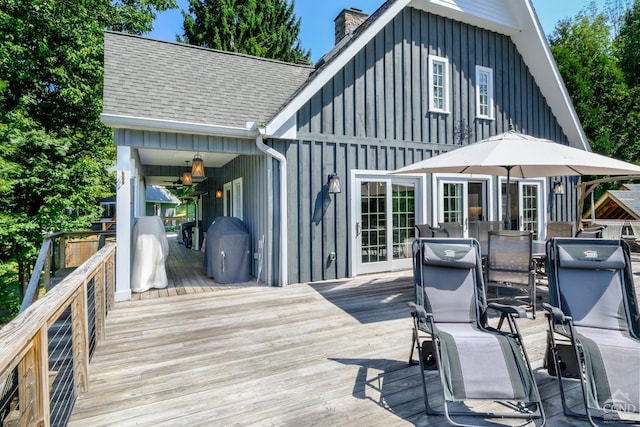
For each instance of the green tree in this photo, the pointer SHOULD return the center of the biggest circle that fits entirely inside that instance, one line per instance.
(54, 149)
(265, 28)
(581, 47)
(627, 45)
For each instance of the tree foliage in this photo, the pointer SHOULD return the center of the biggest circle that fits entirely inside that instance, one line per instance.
(264, 28)
(606, 105)
(627, 45)
(581, 48)
(55, 151)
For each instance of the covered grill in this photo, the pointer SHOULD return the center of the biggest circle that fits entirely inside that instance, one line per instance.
(227, 256)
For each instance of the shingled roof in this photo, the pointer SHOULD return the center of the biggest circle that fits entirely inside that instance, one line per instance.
(619, 204)
(152, 79)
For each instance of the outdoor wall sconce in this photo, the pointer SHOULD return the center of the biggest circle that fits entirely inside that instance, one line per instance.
(333, 184)
(197, 168)
(219, 194)
(558, 188)
(186, 176)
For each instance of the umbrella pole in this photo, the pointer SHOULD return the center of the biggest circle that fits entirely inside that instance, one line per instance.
(507, 215)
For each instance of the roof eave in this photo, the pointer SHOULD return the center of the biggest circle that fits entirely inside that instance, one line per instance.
(161, 125)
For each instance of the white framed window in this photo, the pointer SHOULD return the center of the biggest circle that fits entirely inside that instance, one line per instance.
(484, 92)
(232, 198)
(438, 84)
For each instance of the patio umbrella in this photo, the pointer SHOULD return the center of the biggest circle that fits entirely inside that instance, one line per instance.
(519, 155)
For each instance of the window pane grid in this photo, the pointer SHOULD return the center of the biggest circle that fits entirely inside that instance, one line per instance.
(438, 85)
(483, 88)
(403, 219)
(484, 92)
(452, 203)
(529, 208)
(373, 222)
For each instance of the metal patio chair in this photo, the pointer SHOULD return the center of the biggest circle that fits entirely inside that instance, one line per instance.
(593, 305)
(560, 229)
(453, 228)
(479, 230)
(451, 332)
(510, 263)
(593, 232)
(427, 230)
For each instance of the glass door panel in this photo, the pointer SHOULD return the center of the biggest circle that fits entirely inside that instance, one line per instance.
(385, 224)
(374, 221)
(514, 202)
(476, 201)
(525, 205)
(528, 207)
(460, 201)
(404, 219)
(453, 195)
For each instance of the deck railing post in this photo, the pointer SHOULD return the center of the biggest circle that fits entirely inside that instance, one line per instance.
(62, 243)
(80, 339)
(99, 283)
(47, 267)
(33, 382)
(110, 287)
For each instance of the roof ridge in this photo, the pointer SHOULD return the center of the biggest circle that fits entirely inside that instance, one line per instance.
(207, 49)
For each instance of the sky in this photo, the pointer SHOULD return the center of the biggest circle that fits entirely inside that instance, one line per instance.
(316, 32)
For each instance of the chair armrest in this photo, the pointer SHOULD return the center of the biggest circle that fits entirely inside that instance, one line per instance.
(508, 309)
(418, 311)
(555, 313)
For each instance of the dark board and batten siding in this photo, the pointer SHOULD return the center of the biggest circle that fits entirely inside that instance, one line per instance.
(257, 202)
(373, 115)
(382, 92)
(319, 222)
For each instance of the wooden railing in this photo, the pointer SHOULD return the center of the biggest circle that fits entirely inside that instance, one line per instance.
(50, 374)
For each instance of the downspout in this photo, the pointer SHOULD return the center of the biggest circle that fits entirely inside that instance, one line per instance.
(283, 202)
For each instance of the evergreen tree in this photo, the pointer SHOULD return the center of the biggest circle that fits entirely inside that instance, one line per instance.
(265, 28)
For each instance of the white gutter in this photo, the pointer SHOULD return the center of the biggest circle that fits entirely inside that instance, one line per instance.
(143, 123)
(283, 202)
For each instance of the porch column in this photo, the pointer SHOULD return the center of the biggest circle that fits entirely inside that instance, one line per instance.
(124, 215)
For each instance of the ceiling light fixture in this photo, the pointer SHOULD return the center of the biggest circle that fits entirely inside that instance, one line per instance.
(197, 168)
(186, 176)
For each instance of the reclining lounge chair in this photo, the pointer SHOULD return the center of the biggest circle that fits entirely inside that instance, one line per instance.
(593, 307)
(475, 361)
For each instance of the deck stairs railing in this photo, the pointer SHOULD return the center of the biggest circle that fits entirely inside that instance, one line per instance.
(45, 350)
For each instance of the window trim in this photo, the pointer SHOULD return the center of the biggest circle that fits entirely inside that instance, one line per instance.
(445, 86)
(233, 193)
(490, 92)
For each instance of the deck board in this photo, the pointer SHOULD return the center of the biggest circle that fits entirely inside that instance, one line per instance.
(327, 353)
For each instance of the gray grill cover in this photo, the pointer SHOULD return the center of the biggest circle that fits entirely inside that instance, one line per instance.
(227, 253)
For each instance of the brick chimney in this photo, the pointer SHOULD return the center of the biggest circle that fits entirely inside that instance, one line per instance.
(347, 21)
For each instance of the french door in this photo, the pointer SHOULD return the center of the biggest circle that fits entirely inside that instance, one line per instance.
(385, 216)
(461, 200)
(526, 205)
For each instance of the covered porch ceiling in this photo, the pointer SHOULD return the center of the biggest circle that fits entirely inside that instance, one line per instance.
(178, 158)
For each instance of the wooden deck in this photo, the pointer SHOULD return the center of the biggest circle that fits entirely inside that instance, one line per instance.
(329, 353)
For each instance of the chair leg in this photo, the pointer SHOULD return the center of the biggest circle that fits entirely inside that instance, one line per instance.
(532, 279)
(413, 347)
